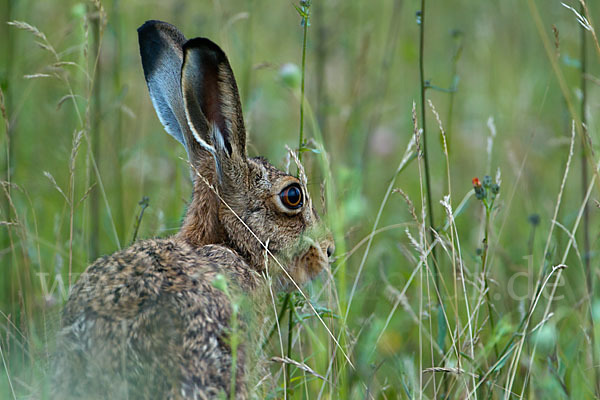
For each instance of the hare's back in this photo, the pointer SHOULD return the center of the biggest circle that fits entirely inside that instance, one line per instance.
(121, 285)
(152, 315)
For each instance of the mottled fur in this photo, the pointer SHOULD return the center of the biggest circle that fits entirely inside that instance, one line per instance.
(147, 322)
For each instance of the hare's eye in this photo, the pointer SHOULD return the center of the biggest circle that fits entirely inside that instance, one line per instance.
(291, 196)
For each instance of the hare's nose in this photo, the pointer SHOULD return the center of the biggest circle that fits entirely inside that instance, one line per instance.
(330, 250)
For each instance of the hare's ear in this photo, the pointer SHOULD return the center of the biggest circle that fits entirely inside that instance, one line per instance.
(162, 57)
(212, 102)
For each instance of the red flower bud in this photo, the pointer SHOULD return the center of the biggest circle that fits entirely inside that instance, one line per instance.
(480, 192)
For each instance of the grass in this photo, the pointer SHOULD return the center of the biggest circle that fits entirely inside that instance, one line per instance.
(507, 308)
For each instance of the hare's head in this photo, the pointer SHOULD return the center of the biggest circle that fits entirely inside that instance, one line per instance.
(243, 203)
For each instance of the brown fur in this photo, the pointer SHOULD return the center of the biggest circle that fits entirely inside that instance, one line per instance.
(148, 322)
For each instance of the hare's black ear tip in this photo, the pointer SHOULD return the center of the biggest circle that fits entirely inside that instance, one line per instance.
(146, 26)
(204, 45)
(161, 28)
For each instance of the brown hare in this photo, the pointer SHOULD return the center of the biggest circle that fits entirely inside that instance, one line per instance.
(148, 321)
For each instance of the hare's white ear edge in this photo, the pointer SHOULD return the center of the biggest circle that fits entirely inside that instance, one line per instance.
(162, 57)
(211, 98)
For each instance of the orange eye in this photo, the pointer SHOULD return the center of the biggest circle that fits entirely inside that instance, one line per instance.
(291, 196)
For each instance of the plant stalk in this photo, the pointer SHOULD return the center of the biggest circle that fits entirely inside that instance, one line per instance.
(424, 135)
(95, 132)
(586, 215)
(291, 313)
(301, 133)
(484, 272)
(118, 120)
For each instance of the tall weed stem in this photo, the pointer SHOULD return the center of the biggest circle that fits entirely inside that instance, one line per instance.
(304, 11)
(424, 85)
(586, 214)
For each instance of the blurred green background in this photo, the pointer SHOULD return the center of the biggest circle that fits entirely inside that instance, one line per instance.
(486, 69)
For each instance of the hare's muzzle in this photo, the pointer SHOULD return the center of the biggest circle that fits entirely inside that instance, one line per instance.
(312, 261)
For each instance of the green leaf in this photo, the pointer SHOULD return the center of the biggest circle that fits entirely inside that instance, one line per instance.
(302, 13)
(441, 328)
